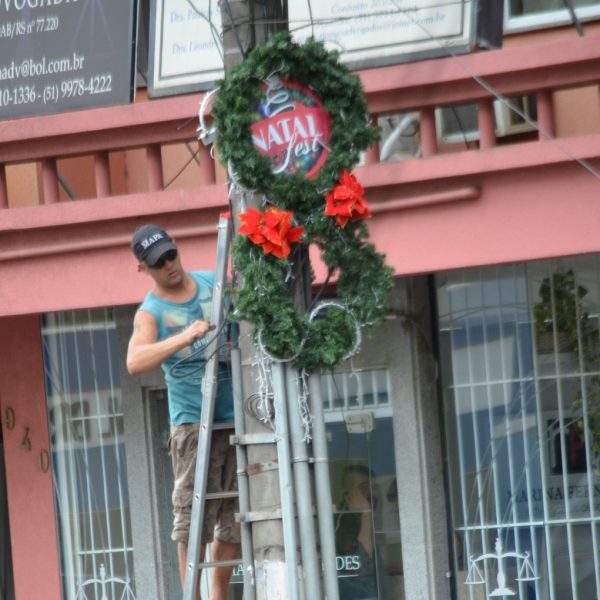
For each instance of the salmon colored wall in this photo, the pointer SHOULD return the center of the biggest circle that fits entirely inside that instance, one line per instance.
(78, 174)
(571, 104)
(136, 178)
(180, 166)
(82, 255)
(576, 111)
(23, 185)
(28, 464)
(510, 216)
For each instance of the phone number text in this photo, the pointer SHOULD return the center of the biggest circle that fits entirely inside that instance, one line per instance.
(53, 93)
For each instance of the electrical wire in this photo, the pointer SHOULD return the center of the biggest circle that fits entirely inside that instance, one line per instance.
(234, 28)
(302, 24)
(177, 369)
(185, 166)
(574, 18)
(216, 34)
(504, 100)
(446, 48)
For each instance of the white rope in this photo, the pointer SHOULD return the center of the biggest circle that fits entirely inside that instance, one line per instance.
(263, 350)
(205, 134)
(264, 380)
(357, 327)
(303, 407)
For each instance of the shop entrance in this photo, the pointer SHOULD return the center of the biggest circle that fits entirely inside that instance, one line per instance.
(364, 485)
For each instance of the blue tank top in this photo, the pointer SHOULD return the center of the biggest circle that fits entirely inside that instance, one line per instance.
(184, 383)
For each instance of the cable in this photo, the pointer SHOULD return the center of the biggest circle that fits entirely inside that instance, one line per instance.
(243, 52)
(185, 166)
(312, 21)
(574, 18)
(489, 88)
(66, 186)
(176, 370)
(214, 31)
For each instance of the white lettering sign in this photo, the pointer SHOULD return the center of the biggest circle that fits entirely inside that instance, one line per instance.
(185, 50)
(375, 32)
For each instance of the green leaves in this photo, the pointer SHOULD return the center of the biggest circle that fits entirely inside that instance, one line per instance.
(364, 280)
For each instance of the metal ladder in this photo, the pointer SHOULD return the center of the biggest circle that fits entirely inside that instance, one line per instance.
(209, 391)
(287, 474)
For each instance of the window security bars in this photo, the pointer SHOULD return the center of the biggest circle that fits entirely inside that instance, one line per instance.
(88, 453)
(521, 392)
(355, 392)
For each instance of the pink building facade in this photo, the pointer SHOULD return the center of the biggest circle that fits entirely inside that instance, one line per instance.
(493, 436)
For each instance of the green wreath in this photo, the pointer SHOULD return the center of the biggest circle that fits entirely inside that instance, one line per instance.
(327, 333)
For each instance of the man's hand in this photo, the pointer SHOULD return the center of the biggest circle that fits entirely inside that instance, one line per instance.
(196, 330)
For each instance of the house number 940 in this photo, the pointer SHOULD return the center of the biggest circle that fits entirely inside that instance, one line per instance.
(10, 422)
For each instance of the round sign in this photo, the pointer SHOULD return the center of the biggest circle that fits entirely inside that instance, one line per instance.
(293, 129)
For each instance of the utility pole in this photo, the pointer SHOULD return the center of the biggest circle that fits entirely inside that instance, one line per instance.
(247, 24)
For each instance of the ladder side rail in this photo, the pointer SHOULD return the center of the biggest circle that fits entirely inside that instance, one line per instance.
(209, 391)
(243, 483)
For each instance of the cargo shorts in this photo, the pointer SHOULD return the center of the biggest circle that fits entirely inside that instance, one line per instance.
(219, 514)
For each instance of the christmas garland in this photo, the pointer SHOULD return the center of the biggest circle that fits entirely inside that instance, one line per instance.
(328, 210)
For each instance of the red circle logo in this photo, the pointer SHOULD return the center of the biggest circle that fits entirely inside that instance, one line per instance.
(293, 130)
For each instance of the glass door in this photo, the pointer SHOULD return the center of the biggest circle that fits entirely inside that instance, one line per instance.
(364, 485)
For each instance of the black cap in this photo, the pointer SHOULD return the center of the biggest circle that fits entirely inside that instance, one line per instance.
(150, 242)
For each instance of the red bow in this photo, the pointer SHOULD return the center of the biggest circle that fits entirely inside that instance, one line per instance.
(272, 230)
(345, 201)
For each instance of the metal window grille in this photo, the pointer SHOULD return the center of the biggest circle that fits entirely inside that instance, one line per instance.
(521, 411)
(357, 391)
(88, 453)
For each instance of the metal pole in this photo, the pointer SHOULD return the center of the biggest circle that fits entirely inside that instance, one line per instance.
(286, 484)
(243, 485)
(304, 501)
(323, 490)
(271, 552)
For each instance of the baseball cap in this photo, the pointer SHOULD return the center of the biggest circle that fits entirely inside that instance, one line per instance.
(150, 242)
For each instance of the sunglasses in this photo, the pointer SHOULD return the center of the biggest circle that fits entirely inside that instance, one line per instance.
(170, 256)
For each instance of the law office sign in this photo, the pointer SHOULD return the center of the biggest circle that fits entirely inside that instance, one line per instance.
(185, 46)
(378, 32)
(58, 55)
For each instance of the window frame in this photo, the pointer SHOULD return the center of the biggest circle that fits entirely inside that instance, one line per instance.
(555, 18)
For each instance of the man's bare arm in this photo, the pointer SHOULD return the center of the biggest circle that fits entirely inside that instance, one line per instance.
(145, 353)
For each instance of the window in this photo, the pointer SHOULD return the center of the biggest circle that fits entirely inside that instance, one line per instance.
(532, 14)
(520, 349)
(88, 454)
(363, 481)
(459, 124)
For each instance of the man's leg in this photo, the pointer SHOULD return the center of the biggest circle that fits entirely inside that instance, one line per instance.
(182, 550)
(221, 550)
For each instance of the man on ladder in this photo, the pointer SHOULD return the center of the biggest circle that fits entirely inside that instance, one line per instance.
(168, 331)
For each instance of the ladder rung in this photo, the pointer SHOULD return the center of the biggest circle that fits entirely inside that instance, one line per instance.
(220, 563)
(223, 425)
(248, 439)
(258, 515)
(221, 495)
